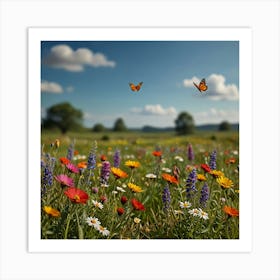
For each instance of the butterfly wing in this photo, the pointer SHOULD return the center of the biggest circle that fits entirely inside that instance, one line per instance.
(132, 87)
(139, 86)
(202, 85)
(197, 86)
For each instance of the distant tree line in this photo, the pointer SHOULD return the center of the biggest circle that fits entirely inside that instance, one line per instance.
(65, 117)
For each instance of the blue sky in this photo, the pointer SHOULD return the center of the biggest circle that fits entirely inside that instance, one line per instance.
(94, 77)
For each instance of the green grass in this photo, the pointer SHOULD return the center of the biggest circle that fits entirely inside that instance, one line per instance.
(155, 222)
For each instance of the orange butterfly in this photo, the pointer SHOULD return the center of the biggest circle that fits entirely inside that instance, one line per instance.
(202, 85)
(135, 87)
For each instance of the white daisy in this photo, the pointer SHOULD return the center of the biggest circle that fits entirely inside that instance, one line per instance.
(120, 189)
(104, 231)
(93, 222)
(185, 204)
(179, 158)
(151, 176)
(194, 212)
(165, 169)
(114, 192)
(203, 214)
(97, 204)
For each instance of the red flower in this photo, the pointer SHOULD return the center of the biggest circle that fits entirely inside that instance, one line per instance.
(205, 167)
(124, 199)
(76, 195)
(64, 160)
(120, 211)
(157, 153)
(137, 205)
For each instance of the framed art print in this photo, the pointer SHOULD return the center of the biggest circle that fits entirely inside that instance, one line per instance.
(139, 139)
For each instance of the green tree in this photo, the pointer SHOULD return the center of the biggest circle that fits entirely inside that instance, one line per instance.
(184, 123)
(119, 125)
(64, 116)
(224, 126)
(98, 127)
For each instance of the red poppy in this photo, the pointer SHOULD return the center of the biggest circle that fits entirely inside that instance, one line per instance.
(120, 211)
(124, 199)
(205, 167)
(76, 195)
(64, 160)
(157, 153)
(137, 205)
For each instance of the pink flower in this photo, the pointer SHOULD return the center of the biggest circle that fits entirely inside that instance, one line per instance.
(72, 168)
(64, 180)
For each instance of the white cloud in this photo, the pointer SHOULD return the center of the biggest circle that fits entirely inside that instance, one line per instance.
(51, 87)
(154, 110)
(64, 57)
(217, 88)
(214, 115)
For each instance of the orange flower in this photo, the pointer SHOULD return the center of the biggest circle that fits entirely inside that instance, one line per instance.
(64, 160)
(103, 158)
(157, 153)
(201, 177)
(230, 160)
(231, 211)
(118, 173)
(169, 178)
(82, 165)
(76, 152)
(51, 211)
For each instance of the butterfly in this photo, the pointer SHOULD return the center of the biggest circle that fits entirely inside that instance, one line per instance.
(202, 85)
(135, 87)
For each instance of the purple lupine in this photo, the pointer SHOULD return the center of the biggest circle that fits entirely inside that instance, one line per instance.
(190, 184)
(105, 172)
(70, 151)
(117, 158)
(91, 160)
(213, 157)
(204, 195)
(166, 198)
(190, 153)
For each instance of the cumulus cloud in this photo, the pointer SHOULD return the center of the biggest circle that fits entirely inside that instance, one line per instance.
(217, 87)
(64, 57)
(154, 110)
(51, 87)
(214, 115)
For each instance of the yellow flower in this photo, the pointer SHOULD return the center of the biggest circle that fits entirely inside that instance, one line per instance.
(132, 164)
(134, 188)
(51, 211)
(201, 177)
(225, 182)
(216, 173)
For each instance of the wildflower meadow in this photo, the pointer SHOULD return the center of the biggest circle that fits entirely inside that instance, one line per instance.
(136, 186)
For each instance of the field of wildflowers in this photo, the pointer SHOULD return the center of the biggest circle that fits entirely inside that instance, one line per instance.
(137, 188)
